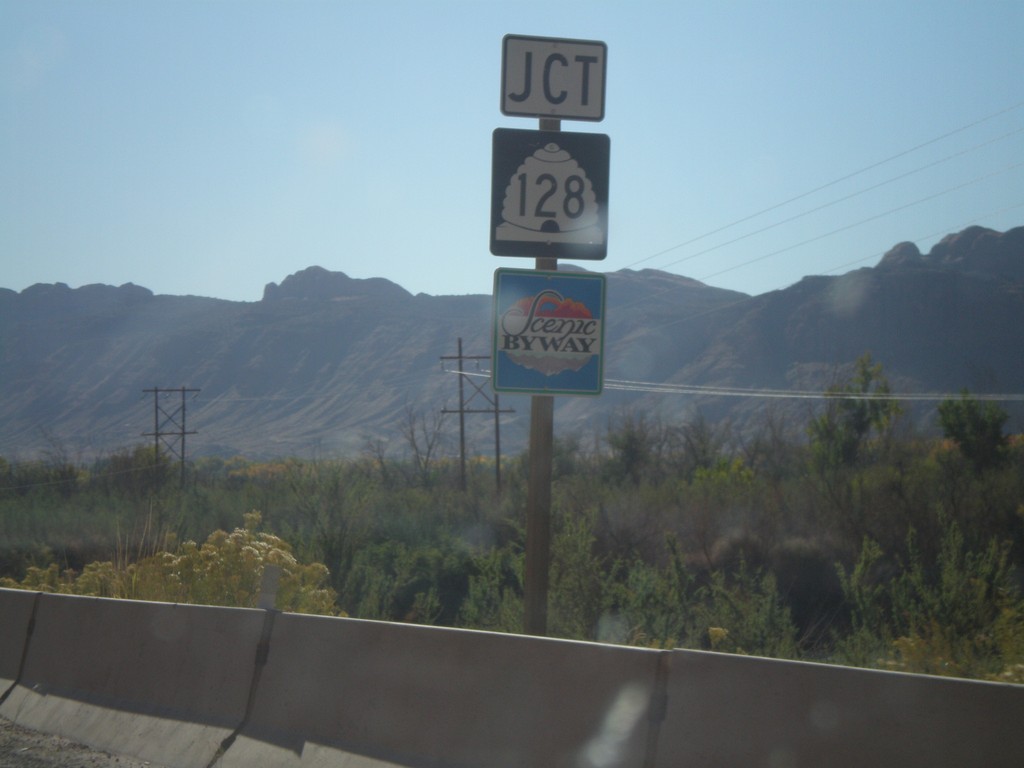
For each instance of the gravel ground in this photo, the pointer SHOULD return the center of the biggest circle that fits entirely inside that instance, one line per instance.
(21, 748)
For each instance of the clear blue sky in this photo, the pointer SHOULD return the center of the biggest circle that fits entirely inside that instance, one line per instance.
(212, 147)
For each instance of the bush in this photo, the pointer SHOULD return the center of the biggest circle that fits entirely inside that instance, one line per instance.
(958, 614)
(227, 570)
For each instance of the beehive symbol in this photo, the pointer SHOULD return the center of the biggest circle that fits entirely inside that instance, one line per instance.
(550, 199)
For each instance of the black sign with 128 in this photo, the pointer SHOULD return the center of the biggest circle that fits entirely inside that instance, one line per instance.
(549, 195)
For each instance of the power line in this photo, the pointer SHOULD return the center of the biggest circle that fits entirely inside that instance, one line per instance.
(843, 199)
(850, 196)
(877, 164)
(925, 237)
(865, 221)
(832, 183)
(668, 388)
(796, 394)
(746, 299)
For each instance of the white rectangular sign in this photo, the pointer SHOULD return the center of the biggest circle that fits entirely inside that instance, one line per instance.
(553, 77)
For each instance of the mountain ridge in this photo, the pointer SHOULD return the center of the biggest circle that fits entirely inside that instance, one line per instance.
(325, 363)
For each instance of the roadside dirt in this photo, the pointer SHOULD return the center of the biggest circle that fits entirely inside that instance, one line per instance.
(22, 748)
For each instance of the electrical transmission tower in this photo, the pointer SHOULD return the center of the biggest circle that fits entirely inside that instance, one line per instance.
(478, 390)
(169, 426)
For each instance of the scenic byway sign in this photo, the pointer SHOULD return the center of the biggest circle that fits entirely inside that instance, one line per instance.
(553, 77)
(549, 194)
(548, 332)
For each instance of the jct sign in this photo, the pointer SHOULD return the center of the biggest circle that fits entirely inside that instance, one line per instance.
(551, 77)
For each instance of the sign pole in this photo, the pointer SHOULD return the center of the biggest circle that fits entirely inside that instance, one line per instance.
(538, 516)
(545, 204)
(538, 499)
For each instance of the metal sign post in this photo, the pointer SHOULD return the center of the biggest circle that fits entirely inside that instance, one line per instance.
(537, 568)
(549, 202)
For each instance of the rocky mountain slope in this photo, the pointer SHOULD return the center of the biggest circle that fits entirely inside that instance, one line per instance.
(325, 364)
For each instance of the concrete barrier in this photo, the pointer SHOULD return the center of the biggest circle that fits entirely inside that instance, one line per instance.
(185, 686)
(164, 683)
(363, 693)
(15, 619)
(728, 710)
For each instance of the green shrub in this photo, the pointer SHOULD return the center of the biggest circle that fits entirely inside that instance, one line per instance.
(742, 612)
(958, 613)
(227, 569)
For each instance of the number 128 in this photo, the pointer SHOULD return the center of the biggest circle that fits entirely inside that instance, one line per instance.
(572, 202)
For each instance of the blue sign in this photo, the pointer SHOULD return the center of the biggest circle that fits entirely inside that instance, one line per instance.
(548, 332)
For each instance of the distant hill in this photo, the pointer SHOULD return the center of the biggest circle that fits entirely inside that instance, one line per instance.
(325, 363)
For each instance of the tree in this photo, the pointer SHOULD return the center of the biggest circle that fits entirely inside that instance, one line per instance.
(977, 429)
(841, 445)
(698, 444)
(634, 443)
(854, 409)
(423, 435)
(140, 471)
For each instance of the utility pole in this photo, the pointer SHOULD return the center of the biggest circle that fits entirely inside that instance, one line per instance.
(479, 390)
(169, 426)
